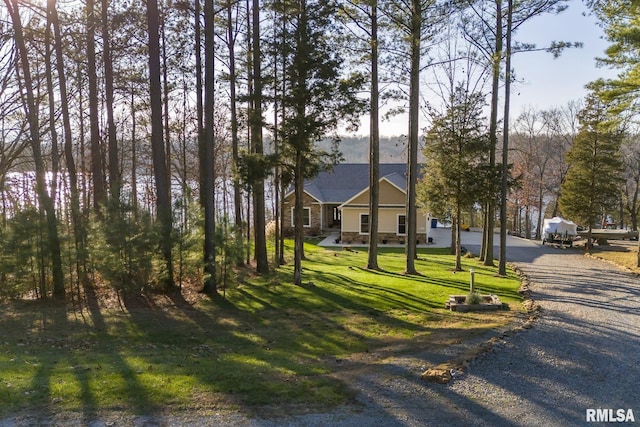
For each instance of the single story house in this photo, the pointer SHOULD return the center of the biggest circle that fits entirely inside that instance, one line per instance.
(338, 201)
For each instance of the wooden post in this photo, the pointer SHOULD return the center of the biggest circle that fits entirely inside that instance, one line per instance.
(472, 283)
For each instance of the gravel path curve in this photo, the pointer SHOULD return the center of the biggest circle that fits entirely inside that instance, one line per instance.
(582, 353)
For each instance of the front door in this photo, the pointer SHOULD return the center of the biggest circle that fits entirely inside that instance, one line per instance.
(336, 217)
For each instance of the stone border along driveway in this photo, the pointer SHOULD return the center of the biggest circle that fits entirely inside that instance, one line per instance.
(582, 354)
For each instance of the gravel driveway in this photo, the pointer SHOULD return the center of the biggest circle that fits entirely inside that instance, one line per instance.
(582, 353)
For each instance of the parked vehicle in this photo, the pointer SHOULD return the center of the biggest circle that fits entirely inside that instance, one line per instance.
(559, 230)
(604, 234)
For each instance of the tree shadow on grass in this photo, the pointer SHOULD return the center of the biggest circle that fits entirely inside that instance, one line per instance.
(263, 345)
(393, 298)
(62, 356)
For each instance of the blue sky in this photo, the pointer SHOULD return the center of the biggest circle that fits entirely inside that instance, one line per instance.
(552, 82)
(545, 82)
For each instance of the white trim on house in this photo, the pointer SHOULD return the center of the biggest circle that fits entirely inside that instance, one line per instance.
(292, 192)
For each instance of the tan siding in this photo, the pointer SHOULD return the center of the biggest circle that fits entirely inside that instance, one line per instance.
(388, 220)
(391, 195)
(387, 225)
(351, 218)
(362, 199)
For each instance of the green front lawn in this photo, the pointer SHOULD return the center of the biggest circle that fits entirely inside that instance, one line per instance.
(269, 342)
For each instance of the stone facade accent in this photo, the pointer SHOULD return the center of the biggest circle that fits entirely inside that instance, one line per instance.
(316, 216)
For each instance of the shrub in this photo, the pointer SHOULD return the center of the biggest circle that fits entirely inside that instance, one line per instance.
(124, 250)
(473, 298)
(230, 248)
(20, 261)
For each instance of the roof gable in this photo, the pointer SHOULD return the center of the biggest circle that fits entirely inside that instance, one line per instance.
(393, 181)
(347, 180)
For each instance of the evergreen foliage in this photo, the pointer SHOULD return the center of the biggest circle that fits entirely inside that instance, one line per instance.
(124, 252)
(24, 268)
(592, 186)
(622, 28)
(229, 247)
(320, 95)
(456, 158)
(621, 25)
(188, 239)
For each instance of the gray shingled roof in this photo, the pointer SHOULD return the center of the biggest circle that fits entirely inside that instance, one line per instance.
(348, 179)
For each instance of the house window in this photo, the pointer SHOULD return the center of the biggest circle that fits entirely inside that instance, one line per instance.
(402, 225)
(364, 223)
(306, 217)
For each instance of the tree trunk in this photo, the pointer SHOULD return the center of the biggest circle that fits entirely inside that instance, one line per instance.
(622, 220)
(165, 93)
(277, 178)
(299, 85)
(539, 207)
(502, 264)
(163, 198)
(82, 144)
(76, 217)
(374, 144)
(99, 192)
(249, 113)
(199, 88)
(458, 238)
(414, 134)
(115, 183)
(134, 157)
(633, 212)
(298, 219)
(283, 108)
(259, 214)
(487, 253)
(233, 106)
(34, 133)
(206, 150)
(453, 237)
(281, 260)
(55, 156)
(485, 231)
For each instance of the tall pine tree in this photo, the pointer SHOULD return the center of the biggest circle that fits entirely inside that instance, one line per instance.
(30, 107)
(594, 178)
(456, 152)
(318, 99)
(163, 196)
